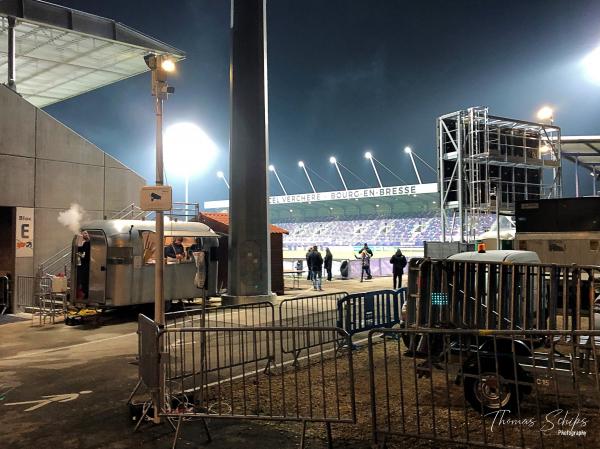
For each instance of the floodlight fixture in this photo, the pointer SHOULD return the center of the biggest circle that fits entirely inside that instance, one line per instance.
(168, 65)
(370, 157)
(407, 150)
(221, 175)
(545, 113)
(272, 168)
(334, 161)
(303, 167)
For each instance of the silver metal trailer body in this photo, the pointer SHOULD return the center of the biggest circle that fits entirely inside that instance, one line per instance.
(121, 263)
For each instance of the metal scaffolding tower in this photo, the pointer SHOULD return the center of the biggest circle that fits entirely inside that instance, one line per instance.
(487, 163)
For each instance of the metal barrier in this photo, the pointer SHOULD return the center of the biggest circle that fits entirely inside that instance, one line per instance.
(4, 294)
(483, 295)
(24, 292)
(214, 373)
(491, 388)
(360, 312)
(253, 314)
(260, 314)
(309, 311)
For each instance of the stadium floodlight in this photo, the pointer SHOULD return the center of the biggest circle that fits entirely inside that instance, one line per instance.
(413, 154)
(221, 175)
(333, 161)
(272, 168)
(303, 167)
(408, 150)
(184, 144)
(370, 157)
(546, 113)
(591, 64)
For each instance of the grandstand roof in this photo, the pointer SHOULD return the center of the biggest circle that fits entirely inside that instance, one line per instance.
(62, 52)
(392, 206)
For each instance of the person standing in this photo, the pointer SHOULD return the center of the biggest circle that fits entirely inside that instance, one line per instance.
(398, 262)
(308, 253)
(328, 263)
(83, 267)
(365, 264)
(316, 267)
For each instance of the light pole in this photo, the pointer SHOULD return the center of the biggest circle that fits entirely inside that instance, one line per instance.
(272, 168)
(408, 151)
(333, 160)
(303, 167)
(221, 175)
(159, 65)
(369, 156)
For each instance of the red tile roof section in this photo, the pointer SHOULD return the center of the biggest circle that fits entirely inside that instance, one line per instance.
(223, 218)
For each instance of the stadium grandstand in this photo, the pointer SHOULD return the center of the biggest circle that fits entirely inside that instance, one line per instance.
(386, 218)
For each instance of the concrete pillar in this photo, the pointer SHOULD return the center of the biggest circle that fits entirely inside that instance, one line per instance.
(249, 240)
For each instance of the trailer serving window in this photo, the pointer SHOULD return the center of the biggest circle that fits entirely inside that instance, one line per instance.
(149, 245)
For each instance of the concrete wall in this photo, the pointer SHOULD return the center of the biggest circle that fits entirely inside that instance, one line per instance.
(45, 165)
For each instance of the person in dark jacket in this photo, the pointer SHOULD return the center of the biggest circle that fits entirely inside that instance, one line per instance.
(398, 262)
(308, 253)
(315, 261)
(83, 267)
(328, 262)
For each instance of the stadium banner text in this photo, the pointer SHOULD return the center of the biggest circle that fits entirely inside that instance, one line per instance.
(374, 192)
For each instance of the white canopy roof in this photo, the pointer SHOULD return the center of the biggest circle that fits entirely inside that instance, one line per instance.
(61, 52)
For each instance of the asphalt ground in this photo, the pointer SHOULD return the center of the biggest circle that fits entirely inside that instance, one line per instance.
(67, 387)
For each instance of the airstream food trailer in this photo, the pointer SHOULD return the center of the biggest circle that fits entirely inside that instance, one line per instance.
(119, 270)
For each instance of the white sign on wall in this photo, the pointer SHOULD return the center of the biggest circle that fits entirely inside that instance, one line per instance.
(24, 232)
(374, 192)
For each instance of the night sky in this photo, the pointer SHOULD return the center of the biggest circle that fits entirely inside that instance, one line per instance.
(349, 75)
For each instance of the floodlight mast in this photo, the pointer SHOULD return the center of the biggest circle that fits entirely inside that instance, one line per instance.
(221, 175)
(303, 167)
(272, 168)
(369, 156)
(408, 151)
(333, 161)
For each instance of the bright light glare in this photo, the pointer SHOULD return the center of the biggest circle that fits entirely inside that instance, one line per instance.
(544, 149)
(591, 64)
(300, 164)
(407, 150)
(271, 168)
(187, 149)
(168, 65)
(368, 155)
(220, 174)
(545, 113)
(332, 160)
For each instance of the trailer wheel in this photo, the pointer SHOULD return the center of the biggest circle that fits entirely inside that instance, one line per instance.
(490, 389)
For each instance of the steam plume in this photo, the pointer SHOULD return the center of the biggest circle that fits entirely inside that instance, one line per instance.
(72, 217)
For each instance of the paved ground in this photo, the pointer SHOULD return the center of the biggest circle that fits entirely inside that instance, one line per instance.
(72, 384)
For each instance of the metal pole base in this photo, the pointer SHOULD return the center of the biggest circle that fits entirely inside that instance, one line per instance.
(230, 300)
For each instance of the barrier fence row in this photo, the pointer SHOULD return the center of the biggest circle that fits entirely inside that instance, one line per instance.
(496, 388)
(492, 388)
(492, 295)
